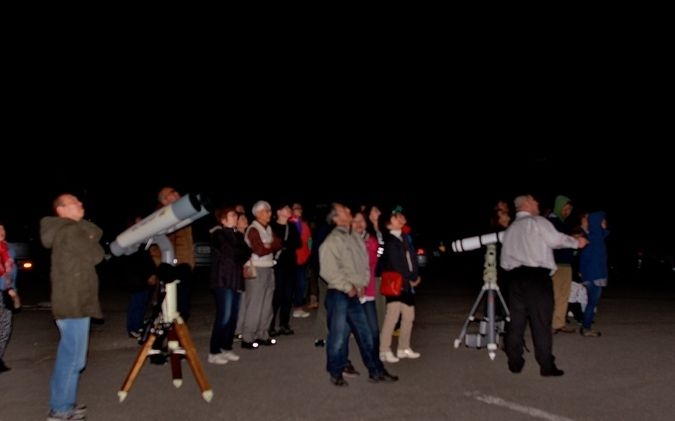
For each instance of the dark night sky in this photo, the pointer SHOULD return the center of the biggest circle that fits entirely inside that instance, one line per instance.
(446, 191)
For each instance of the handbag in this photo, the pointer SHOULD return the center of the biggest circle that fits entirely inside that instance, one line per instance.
(391, 283)
(248, 270)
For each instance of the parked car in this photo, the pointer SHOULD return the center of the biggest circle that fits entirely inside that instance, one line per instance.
(22, 256)
(202, 252)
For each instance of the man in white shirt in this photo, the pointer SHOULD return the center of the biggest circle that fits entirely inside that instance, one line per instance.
(527, 257)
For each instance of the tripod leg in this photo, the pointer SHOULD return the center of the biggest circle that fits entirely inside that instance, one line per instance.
(136, 367)
(469, 318)
(492, 343)
(507, 314)
(193, 359)
(176, 354)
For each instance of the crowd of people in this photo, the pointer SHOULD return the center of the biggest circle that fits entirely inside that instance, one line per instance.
(298, 267)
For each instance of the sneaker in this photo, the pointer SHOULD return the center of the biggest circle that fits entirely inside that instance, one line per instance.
(552, 372)
(338, 381)
(284, 330)
(300, 313)
(564, 329)
(218, 359)
(350, 371)
(388, 357)
(589, 333)
(230, 355)
(60, 416)
(249, 345)
(407, 353)
(80, 409)
(134, 335)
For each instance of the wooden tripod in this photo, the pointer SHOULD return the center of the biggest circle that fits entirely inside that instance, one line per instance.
(180, 346)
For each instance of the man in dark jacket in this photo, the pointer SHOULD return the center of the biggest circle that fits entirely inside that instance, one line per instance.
(74, 297)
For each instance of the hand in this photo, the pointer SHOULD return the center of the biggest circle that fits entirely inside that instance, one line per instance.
(583, 242)
(352, 292)
(416, 282)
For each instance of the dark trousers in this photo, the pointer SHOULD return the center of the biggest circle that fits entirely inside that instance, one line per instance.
(530, 299)
(282, 301)
(138, 304)
(184, 290)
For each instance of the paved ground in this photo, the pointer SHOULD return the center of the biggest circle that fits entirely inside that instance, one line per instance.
(626, 374)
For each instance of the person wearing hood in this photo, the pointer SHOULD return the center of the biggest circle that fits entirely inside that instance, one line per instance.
(562, 278)
(593, 266)
(75, 252)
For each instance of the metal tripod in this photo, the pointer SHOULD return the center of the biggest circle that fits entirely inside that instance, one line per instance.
(488, 292)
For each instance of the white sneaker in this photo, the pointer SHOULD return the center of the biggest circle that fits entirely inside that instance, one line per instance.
(231, 356)
(300, 313)
(218, 359)
(388, 357)
(407, 353)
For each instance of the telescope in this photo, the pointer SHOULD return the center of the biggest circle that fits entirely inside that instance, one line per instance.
(166, 220)
(473, 243)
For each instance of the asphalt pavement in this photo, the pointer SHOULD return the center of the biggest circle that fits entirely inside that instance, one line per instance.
(626, 374)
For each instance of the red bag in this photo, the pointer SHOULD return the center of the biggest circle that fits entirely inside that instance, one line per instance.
(392, 283)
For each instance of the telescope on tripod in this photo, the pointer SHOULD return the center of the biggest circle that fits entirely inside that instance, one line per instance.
(489, 328)
(167, 323)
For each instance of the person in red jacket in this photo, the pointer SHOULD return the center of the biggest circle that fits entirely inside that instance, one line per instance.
(302, 259)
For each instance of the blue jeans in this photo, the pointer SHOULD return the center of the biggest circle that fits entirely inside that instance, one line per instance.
(227, 312)
(370, 308)
(138, 303)
(594, 293)
(345, 315)
(71, 358)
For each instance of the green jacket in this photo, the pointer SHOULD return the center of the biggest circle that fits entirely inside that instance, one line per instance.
(75, 253)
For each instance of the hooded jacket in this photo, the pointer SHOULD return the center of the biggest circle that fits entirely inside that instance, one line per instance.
(593, 258)
(566, 255)
(75, 252)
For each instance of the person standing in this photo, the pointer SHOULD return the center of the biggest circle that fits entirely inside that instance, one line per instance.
(399, 256)
(138, 273)
(260, 290)
(75, 252)
(562, 278)
(285, 271)
(344, 266)
(183, 248)
(593, 266)
(230, 252)
(527, 258)
(302, 255)
(6, 283)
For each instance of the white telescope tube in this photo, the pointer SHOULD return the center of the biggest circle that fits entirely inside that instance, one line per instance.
(163, 221)
(473, 243)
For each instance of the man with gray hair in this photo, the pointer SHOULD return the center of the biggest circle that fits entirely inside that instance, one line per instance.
(527, 257)
(344, 266)
(260, 290)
